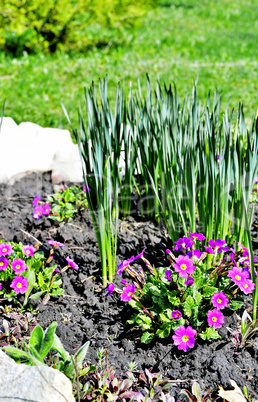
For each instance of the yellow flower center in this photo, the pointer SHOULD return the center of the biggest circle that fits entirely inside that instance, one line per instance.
(245, 285)
(27, 251)
(4, 250)
(130, 294)
(219, 300)
(18, 266)
(214, 319)
(183, 266)
(237, 277)
(185, 338)
(1, 263)
(19, 285)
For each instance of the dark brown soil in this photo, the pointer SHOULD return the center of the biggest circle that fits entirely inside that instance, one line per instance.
(85, 312)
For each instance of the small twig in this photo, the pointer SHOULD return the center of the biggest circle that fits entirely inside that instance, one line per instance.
(86, 279)
(3, 235)
(15, 198)
(75, 247)
(187, 380)
(28, 234)
(70, 224)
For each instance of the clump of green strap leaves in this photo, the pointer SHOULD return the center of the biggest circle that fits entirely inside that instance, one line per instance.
(191, 164)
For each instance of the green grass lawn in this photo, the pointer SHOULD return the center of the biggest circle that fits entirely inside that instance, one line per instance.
(178, 41)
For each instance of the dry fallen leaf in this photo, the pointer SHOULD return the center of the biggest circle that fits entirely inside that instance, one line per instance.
(234, 395)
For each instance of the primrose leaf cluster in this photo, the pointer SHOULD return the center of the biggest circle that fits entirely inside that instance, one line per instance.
(188, 297)
(61, 205)
(25, 270)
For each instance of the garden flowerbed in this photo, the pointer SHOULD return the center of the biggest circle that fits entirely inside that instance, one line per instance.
(86, 312)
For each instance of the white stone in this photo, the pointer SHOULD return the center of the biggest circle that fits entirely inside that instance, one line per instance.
(19, 382)
(29, 148)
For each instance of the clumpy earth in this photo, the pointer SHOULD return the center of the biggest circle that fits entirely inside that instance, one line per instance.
(85, 311)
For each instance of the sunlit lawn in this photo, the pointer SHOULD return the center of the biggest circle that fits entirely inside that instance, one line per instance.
(214, 40)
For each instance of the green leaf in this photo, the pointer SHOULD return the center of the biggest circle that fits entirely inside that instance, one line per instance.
(134, 304)
(189, 304)
(147, 337)
(37, 295)
(56, 292)
(209, 291)
(33, 352)
(58, 346)
(76, 360)
(48, 340)
(132, 319)
(164, 331)
(174, 300)
(16, 353)
(31, 277)
(164, 318)
(56, 283)
(155, 290)
(36, 338)
(20, 355)
(210, 333)
(86, 370)
(144, 321)
(40, 280)
(81, 353)
(236, 303)
(197, 297)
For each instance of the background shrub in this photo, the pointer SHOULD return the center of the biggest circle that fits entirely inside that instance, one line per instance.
(35, 26)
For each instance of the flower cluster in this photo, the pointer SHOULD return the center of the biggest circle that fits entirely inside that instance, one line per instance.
(17, 263)
(40, 208)
(14, 267)
(61, 205)
(191, 293)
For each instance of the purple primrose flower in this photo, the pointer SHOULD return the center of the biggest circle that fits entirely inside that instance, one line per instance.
(183, 243)
(238, 275)
(28, 250)
(219, 300)
(215, 318)
(196, 236)
(247, 286)
(176, 314)
(217, 246)
(194, 253)
(46, 209)
(18, 265)
(124, 264)
(55, 243)
(184, 266)
(6, 249)
(128, 292)
(71, 263)
(19, 284)
(184, 338)
(36, 200)
(168, 275)
(189, 282)
(110, 288)
(3, 263)
(37, 212)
